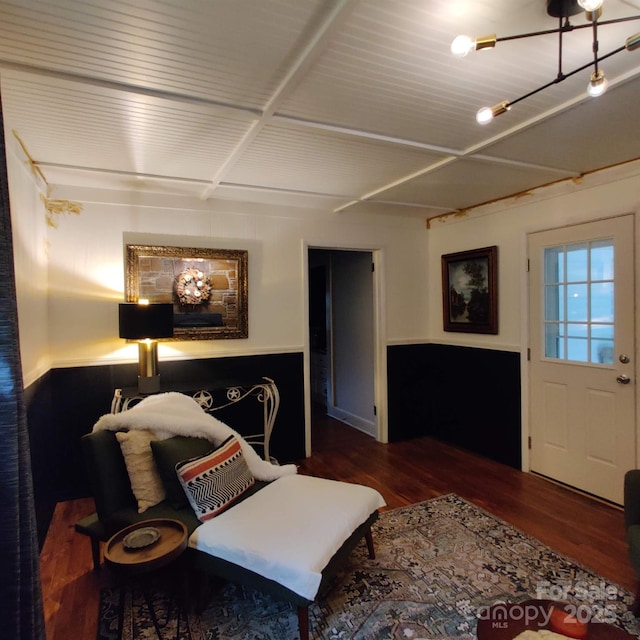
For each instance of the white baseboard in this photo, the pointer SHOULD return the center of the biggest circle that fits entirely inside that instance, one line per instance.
(362, 424)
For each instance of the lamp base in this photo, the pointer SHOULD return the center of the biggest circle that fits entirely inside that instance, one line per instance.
(149, 384)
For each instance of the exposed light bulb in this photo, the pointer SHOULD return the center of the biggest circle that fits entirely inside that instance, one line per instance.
(590, 5)
(597, 84)
(487, 114)
(484, 115)
(462, 45)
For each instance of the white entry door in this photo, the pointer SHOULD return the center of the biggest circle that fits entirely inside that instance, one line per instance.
(582, 382)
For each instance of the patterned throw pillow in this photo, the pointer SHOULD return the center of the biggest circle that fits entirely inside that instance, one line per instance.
(214, 481)
(167, 454)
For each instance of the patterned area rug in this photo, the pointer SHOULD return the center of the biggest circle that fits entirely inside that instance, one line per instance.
(438, 565)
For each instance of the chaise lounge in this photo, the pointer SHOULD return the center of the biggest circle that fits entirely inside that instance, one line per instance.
(284, 534)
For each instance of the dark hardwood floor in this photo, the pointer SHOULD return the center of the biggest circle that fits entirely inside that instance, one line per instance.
(589, 531)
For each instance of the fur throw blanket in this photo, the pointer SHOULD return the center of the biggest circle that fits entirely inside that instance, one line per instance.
(175, 414)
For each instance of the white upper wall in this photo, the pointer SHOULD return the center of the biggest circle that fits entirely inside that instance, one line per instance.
(71, 277)
(506, 224)
(86, 270)
(29, 231)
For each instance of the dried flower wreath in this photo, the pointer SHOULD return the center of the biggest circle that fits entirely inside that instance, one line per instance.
(192, 287)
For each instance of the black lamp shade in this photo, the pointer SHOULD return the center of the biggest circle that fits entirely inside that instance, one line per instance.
(140, 321)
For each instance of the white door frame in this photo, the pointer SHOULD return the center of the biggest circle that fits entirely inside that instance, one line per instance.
(379, 335)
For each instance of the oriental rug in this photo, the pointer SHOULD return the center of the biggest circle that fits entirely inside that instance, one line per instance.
(438, 565)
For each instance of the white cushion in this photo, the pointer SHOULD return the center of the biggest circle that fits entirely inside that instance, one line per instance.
(289, 530)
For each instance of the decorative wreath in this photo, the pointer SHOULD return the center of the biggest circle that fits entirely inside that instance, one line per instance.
(192, 287)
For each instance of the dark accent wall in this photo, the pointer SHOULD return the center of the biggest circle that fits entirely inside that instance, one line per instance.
(468, 397)
(465, 396)
(65, 403)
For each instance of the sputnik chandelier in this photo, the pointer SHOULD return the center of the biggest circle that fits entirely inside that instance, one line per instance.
(563, 10)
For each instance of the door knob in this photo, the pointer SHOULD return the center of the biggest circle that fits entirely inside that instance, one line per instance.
(622, 379)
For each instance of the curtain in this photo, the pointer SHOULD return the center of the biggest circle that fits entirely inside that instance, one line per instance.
(21, 611)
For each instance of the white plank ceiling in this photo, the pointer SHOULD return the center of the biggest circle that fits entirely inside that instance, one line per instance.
(352, 105)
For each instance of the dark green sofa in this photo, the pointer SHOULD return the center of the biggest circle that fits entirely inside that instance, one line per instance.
(116, 508)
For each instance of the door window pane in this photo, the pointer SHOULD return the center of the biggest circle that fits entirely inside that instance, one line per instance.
(554, 302)
(577, 330)
(602, 332)
(577, 262)
(554, 265)
(579, 302)
(554, 344)
(602, 351)
(602, 302)
(577, 349)
(601, 260)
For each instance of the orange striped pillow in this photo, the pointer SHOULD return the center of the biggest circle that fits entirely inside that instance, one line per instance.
(213, 482)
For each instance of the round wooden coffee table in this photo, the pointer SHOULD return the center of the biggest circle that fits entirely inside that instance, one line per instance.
(506, 621)
(171, 542)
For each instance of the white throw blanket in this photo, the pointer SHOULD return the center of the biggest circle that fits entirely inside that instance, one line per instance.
(175, 414)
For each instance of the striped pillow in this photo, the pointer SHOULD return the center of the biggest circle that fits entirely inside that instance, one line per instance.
(214, 481)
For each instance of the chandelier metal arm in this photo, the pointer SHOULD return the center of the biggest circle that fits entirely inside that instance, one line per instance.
(614, 20)
(565, 28)
(546, 32)
(560, 32)
(564, 76)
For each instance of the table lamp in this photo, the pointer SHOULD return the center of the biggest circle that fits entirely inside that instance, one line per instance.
(146, 323)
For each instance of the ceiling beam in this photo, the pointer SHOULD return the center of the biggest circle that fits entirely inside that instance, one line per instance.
(317, 44)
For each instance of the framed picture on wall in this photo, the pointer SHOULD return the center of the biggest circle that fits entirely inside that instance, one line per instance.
(470, 291)
(207, 287)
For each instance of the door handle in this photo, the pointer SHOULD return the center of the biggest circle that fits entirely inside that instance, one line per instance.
(622, 379)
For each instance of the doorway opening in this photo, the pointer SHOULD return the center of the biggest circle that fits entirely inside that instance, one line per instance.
(341, 339)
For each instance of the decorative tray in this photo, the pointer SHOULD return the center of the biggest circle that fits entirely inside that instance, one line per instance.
(146, 545)
(141, 538)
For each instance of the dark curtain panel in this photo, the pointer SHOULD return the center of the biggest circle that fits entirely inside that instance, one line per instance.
(21, 616)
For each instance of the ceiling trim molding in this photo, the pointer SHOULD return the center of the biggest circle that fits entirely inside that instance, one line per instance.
(314, 48)
(20, 149)
(568, 173)
(368, 135)
(412, 176)
(119, 172)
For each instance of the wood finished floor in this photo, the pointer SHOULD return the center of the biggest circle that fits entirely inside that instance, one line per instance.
(589, 531)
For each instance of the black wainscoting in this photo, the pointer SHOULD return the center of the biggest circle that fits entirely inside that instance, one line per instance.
(43, 442)
(465, 396)
(65, 403)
